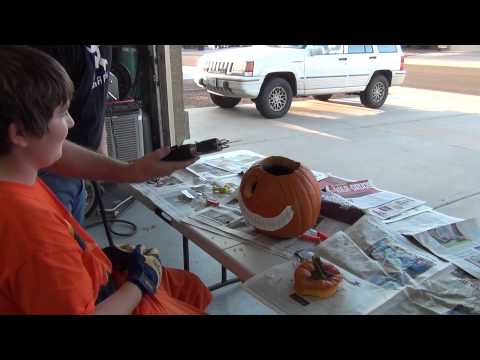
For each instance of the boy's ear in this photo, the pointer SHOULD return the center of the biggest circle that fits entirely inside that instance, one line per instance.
(17, 135)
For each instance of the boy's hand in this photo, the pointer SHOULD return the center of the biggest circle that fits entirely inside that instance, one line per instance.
(151, 165)
(145, 269)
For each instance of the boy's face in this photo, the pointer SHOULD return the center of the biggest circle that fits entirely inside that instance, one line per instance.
(48, 149)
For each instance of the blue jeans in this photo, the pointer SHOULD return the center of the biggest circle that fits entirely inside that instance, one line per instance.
(70, 191)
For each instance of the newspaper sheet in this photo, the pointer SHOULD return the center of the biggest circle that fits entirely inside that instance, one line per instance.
(362, 194)
(408, 213)
(275, 288)
(458, 243)
(398, 256)
(395, 207)
(424, 221)
(451, 291)
(372, 258)
(234, 163)
(225, 220)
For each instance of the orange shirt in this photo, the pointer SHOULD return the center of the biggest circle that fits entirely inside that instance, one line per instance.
(43, 269)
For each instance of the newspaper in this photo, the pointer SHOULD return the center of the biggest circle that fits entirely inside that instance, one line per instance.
(458, 243)
(395, 208)
(224, 219)
(398, 256)
(383, 273)
(234, 163)
(408, 213)
(423, 221)
(451, 291)
(362, 194)
(275, 288)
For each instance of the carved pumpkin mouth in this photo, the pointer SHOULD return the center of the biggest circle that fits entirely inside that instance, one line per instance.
(278, 165)
(263, 223)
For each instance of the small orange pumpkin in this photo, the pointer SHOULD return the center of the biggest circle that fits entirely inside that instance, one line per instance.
(280, 197)
(316, 278)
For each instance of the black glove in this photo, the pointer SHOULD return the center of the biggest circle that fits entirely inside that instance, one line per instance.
(119, 256)
(145, 269)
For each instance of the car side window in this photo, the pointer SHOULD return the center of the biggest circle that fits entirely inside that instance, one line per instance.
(387, 48)
(325, 50)
(356, 49)
(369, 48)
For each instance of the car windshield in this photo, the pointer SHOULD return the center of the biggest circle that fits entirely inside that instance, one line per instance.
(290, 46)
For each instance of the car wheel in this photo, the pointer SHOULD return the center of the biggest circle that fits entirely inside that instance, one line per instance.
(322, 97)
(275, 98)
(224, 101)
(376, 92)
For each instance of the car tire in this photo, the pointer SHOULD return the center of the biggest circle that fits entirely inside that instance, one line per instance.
(275, 98)
(224, 101)
(322, 97)
(376, 92)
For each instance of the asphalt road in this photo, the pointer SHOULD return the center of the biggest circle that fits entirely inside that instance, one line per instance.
(440, 78)
(443, 78)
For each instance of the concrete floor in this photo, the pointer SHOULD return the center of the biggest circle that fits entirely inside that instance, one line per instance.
(421, 143)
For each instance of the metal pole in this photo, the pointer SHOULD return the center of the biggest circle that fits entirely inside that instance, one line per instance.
(224, 274)
(186, 260)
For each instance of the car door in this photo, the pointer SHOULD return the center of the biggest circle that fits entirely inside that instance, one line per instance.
(360, 64)
(325, 68)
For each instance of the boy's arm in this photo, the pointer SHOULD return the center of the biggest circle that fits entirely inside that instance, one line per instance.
(80, 162)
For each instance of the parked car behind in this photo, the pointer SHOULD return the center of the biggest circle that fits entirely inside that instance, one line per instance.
(271, 75)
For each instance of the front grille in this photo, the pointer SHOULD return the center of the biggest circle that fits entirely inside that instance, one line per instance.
(219, 67)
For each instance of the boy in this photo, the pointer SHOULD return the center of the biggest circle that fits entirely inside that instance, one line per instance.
(49, 264)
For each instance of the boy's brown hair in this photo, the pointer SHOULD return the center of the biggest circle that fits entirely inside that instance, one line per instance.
(32, 86)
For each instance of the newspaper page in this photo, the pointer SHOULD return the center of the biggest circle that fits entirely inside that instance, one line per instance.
(234, 162)
(354, 296)
(395, 207)
(398, 256)
(235, 225)
(458, 243)
(421, 222)
(362, 194)
(451, 291)
(179, 178)
(340, 250)
(408, 213)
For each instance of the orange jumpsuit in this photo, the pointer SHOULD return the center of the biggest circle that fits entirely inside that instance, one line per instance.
(43, 269)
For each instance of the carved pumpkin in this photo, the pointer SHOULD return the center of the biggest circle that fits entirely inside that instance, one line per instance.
(316, 278)
(280, 197)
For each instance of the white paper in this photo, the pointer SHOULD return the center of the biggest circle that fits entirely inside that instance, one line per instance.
(422, 222)
(395, 207)
(362, 194)
(458, 243)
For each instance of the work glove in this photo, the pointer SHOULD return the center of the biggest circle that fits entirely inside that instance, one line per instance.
(145, 269)
(119, 256)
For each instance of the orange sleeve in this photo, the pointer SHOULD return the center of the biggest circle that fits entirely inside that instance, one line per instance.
(54, 283)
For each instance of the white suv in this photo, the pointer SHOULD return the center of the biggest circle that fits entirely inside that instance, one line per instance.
(272, 75)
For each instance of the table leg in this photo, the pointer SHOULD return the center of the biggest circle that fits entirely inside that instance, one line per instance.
(224, 274)
(186, 257)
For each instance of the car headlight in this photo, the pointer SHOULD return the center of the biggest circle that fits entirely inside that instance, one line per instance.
(243, 68)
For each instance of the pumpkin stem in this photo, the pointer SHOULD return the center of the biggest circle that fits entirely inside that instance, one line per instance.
(319, 273)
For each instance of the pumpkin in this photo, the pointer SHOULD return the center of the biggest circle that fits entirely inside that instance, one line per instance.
(316, 278)
(280, 197)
